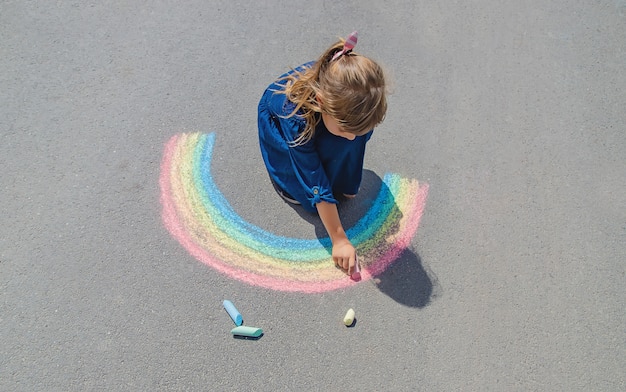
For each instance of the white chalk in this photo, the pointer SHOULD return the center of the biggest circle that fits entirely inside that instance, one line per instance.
(348, 319)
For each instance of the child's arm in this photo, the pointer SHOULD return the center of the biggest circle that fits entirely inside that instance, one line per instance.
(344, 254)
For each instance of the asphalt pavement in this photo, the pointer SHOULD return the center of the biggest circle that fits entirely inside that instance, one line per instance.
(511, 115)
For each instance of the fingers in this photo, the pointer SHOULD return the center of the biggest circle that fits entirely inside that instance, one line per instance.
(351, 266)
(343, 263)
(346, 264)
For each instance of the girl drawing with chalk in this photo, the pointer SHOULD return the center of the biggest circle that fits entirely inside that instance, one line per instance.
(314, 123)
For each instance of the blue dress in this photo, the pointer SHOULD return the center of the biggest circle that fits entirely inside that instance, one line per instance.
(319, 170)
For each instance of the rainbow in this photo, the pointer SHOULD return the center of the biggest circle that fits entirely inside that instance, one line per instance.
(198, 216)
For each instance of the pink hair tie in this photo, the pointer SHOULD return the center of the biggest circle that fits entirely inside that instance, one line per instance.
(347, 46)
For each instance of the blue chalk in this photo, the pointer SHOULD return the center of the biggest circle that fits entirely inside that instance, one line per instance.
(233, 312)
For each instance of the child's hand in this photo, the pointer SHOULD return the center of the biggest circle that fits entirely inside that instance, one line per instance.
(344, 256)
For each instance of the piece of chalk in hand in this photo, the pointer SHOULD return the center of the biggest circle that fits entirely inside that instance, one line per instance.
(251, 332)
(348, 319)
(233, 312)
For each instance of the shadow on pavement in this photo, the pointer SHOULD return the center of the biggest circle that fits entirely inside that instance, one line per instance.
(405, 280)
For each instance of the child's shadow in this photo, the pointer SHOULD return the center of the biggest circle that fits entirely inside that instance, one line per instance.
(405, 280)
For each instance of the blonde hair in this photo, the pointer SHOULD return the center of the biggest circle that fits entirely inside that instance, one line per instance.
(351, 89)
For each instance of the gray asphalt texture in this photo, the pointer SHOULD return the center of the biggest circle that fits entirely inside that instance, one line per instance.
(514, 113)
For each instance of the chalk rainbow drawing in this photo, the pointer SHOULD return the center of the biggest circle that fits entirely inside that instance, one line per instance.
(199, 217)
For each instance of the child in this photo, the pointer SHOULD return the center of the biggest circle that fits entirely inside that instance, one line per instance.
(314, 122)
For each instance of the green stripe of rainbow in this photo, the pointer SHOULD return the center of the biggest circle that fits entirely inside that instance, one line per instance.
(196, 213)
